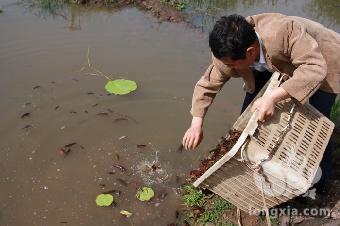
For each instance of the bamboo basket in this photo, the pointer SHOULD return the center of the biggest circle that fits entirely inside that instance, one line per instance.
(274, 161)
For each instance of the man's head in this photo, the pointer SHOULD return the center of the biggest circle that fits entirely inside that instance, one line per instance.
(233, 40)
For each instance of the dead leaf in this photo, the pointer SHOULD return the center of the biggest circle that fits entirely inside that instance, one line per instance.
(27, 127)
(25, 115)
(102, 114)
(126, 213)
(120, 167)
(122, 137)
(120, 119)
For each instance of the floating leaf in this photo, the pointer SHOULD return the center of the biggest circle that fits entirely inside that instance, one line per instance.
(126, 213)
(120, 86)
(145, 194)
(104, 200)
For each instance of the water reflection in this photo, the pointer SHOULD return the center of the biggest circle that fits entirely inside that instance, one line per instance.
(203, 13)
(326, 12)
(74, 20)
(45, 9)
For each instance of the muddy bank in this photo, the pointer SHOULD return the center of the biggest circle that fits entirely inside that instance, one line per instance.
(164, 10)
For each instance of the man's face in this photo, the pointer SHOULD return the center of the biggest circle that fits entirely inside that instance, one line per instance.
(241, 64)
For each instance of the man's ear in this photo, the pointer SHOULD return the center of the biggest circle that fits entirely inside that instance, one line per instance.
(251, 51)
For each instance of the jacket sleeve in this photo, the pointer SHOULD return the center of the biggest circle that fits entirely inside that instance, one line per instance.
(306, 56)
(206, 89)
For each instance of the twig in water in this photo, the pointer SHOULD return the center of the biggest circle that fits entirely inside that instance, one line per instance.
(90, 66)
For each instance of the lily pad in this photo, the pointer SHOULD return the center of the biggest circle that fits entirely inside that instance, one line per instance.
(126, 213)
(145, 194)
(104, 200)
(120, 86)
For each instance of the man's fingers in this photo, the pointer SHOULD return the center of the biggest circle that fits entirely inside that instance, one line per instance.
(184, 139)
(188, 143)
(196, 139)
(187, 140)
(191, 143)
(261, 116)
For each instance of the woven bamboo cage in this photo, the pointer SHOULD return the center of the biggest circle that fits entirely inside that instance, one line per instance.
(274, 161)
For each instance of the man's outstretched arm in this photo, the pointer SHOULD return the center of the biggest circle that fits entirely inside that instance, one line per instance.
(204, 93)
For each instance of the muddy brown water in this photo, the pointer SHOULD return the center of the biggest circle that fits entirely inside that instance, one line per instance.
(40, 59)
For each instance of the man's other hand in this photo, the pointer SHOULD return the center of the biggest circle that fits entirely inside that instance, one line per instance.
(265, 107)
(265, 104)
(194, 135)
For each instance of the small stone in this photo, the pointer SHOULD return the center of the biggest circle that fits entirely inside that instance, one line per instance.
(45, 188)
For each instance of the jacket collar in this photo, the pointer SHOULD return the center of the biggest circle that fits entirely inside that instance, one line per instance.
(267, 57)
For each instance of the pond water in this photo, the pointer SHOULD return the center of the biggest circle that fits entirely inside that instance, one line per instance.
(41, 57)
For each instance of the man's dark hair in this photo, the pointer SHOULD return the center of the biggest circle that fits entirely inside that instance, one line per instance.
(231, 36)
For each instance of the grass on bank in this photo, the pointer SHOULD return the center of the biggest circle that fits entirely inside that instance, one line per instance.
(211, 207)
(335, 117)
(335, 112)
(177, 4)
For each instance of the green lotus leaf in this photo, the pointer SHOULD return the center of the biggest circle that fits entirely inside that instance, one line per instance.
(120, 86)
(104, 200)
(145, 194)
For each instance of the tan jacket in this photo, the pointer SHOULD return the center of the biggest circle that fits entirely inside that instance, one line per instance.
(306, 51)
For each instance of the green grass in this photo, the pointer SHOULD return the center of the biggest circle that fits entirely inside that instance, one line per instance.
(214, 207)
(177, 4)
(193, 196)
(215, 212)
(335, 117)
(335, 112)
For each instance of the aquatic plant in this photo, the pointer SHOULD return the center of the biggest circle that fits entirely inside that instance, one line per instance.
(120, 86)
(104, 200)
(117, 86)
(145, 194)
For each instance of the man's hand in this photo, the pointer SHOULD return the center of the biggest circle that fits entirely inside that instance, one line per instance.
(194, 135)
(265, 104)
(265, 107)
